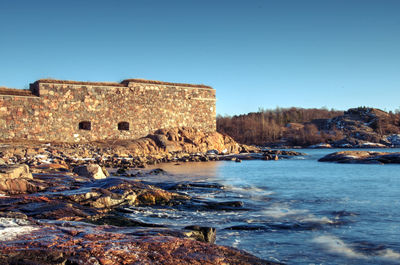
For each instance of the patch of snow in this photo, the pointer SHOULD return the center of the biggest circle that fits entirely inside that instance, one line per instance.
(320, 145)
(393, 139)
(10, 228)
(47, 161)
(351, 156)
(212, 152)
(85, 159)
(372, 144)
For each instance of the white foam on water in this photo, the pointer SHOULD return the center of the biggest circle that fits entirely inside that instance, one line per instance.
(313, 219)
(302, 216)
(11, 228)
(337, 246)
(279, 212)
(390, 254)
(236, 243)
(252, 190)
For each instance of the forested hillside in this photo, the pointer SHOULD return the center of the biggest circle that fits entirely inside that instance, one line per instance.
(298, 126)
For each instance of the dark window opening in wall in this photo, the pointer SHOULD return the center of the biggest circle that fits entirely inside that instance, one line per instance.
(85, 125)
(123, 126)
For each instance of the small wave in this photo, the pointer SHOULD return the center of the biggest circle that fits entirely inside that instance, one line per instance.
(236, 243)
(390, 254)
(337, 246)
(250, 189)
(320, 220)
(279, 212)
(300, 216)
(343, 213)
(298, 158)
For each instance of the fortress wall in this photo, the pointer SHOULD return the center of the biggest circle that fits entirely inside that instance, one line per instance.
(56, 113)
(20, 116)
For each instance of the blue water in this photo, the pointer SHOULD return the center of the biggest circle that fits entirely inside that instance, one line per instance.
(305, 212)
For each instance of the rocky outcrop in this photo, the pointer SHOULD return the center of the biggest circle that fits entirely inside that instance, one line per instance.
(362, 157)
(361, 128)
(17, 179)
(263, 155)
(90, 171)
(89, 200)
(320, 146)
(187, 140)
(14, 171)
(81, 216)
(178, 145)
(201, 233)
(20, 186)
(82, 220)
(113, 192)
(74, 244)
(393, 139)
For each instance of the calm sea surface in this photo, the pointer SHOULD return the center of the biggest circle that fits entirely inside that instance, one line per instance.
(296, 211)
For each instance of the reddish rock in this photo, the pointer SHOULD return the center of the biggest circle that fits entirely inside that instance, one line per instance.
(93, 245)
(17, 179)
(362, 157)
(14, 171)
(20, 186)
(91, 171)
(50, 168)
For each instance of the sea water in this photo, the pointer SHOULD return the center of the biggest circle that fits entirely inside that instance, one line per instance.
(296, 211)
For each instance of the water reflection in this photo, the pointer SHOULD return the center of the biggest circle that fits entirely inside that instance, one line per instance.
(187, 171)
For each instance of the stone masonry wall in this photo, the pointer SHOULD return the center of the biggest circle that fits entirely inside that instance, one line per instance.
(53, 110)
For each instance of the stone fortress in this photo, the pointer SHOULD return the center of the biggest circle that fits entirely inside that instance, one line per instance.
(71, 111)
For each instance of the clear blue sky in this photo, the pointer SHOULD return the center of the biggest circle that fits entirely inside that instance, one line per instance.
(309, 53)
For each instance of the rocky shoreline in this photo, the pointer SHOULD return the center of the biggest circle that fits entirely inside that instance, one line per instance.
(60, 205)
(60, 217)
(72, 203)
(174, 145)
(76, 219)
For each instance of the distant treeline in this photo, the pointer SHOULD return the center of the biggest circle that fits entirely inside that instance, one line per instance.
(296, 126)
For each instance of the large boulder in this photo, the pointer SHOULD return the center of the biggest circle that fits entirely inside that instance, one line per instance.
(92, 171)
(17, 179)
(187, 140)
(201, 233)
(20, 186)
(393, 139)
(15, 171)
